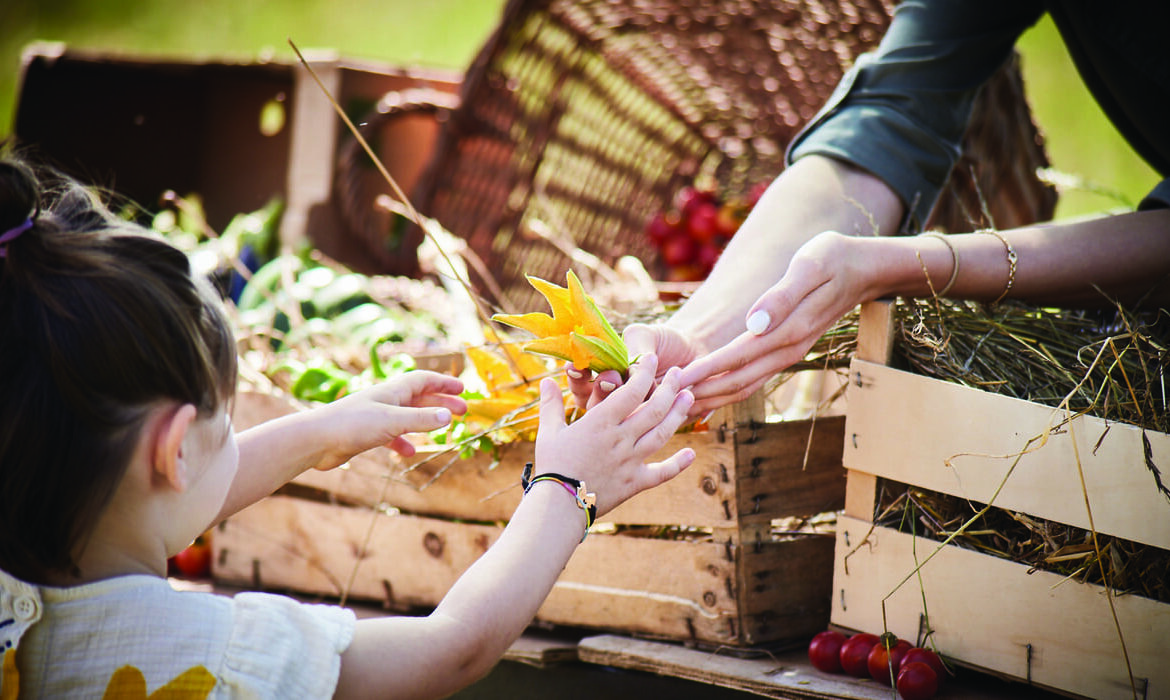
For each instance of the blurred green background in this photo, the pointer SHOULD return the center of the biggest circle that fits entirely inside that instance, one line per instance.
(447, 34)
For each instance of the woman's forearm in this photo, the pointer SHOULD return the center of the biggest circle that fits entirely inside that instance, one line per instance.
(814, 194)
(1087, 263)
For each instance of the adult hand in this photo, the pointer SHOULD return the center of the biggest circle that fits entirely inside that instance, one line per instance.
(827, 277)
(667, 344)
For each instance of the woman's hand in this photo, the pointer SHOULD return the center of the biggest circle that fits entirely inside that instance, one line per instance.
(415, 402)
(607, 448)
(827, 278)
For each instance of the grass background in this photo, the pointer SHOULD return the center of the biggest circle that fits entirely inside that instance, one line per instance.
(447, 34)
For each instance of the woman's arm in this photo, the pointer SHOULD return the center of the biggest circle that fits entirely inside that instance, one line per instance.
(1121, 258)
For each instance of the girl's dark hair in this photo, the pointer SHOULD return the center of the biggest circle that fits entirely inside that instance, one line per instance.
(99, 322)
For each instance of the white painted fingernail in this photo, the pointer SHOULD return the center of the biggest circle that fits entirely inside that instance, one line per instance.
(443, 415)
(574, 373)
(607, 386)
(758, 322)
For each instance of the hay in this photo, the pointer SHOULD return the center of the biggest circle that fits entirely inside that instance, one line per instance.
(1108, 364)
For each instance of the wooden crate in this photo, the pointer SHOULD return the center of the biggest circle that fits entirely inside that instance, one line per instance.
(741, 583)
(988, 612)
(193, 126)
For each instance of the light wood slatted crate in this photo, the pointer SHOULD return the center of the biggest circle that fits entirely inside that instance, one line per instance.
(987, 612)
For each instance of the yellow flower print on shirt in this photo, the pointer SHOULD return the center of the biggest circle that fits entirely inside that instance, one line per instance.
(128, 683)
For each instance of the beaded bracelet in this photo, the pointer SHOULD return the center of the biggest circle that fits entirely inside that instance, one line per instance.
(586, 501)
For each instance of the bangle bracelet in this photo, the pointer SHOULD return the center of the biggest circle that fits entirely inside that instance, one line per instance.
(586, 501)
(1012, 259)
(954, 264)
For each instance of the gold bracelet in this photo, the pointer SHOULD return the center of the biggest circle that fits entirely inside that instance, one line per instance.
(1012, 259)
(954, 264)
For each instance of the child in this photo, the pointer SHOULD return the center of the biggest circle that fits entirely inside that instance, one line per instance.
(117, 372)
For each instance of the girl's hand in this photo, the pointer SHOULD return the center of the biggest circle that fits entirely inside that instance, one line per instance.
(608, 447)
(671, 348)
(418, 401)
(827, 278)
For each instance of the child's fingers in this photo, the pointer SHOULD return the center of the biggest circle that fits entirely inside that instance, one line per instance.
(657, 435)
(454, 403)
(626, 398)
(408, 419)
(552, 407)
(656, 406)
(410, 387)
(653, 474)
(667, 469)
(402, 446)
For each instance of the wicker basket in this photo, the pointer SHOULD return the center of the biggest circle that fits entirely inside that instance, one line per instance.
(580, 119)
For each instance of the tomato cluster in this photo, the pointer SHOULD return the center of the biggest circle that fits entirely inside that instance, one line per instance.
(691, 234)
(917, 672)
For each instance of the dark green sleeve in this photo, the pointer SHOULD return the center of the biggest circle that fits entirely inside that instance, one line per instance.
(900, 112)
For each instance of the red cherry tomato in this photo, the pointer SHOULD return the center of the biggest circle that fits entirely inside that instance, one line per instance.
(689, 198)
(917, 681)
(887, 653)
(824, 651)
(702, 223)
(855, 654)
(679, 250)
(929, 658)
(195, 560)
(663, 226)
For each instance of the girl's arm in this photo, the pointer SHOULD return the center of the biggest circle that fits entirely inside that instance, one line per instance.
(494, 600)
(276, 451)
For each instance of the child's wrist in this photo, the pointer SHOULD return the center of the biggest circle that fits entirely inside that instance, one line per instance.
(575, 488)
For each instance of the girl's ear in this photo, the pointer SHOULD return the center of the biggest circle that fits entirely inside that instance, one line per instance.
(169, 464)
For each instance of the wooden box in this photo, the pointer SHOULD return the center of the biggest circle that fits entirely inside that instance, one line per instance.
(698, 559)
(984, 611)
(196, 126)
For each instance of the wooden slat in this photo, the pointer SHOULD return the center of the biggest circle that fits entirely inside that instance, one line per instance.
(666, 588)
(786, 588)
(961, 441)
(290, 543)
(993, 614)
(875, 332)
(789, 468)
(777, 482)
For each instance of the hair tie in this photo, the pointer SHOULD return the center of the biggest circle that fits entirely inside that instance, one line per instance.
(12, 234)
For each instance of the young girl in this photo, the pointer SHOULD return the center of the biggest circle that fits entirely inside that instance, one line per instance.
(117, 372)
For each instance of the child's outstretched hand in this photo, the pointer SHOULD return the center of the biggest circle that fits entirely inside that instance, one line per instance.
(608, 447)
(415, 402)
